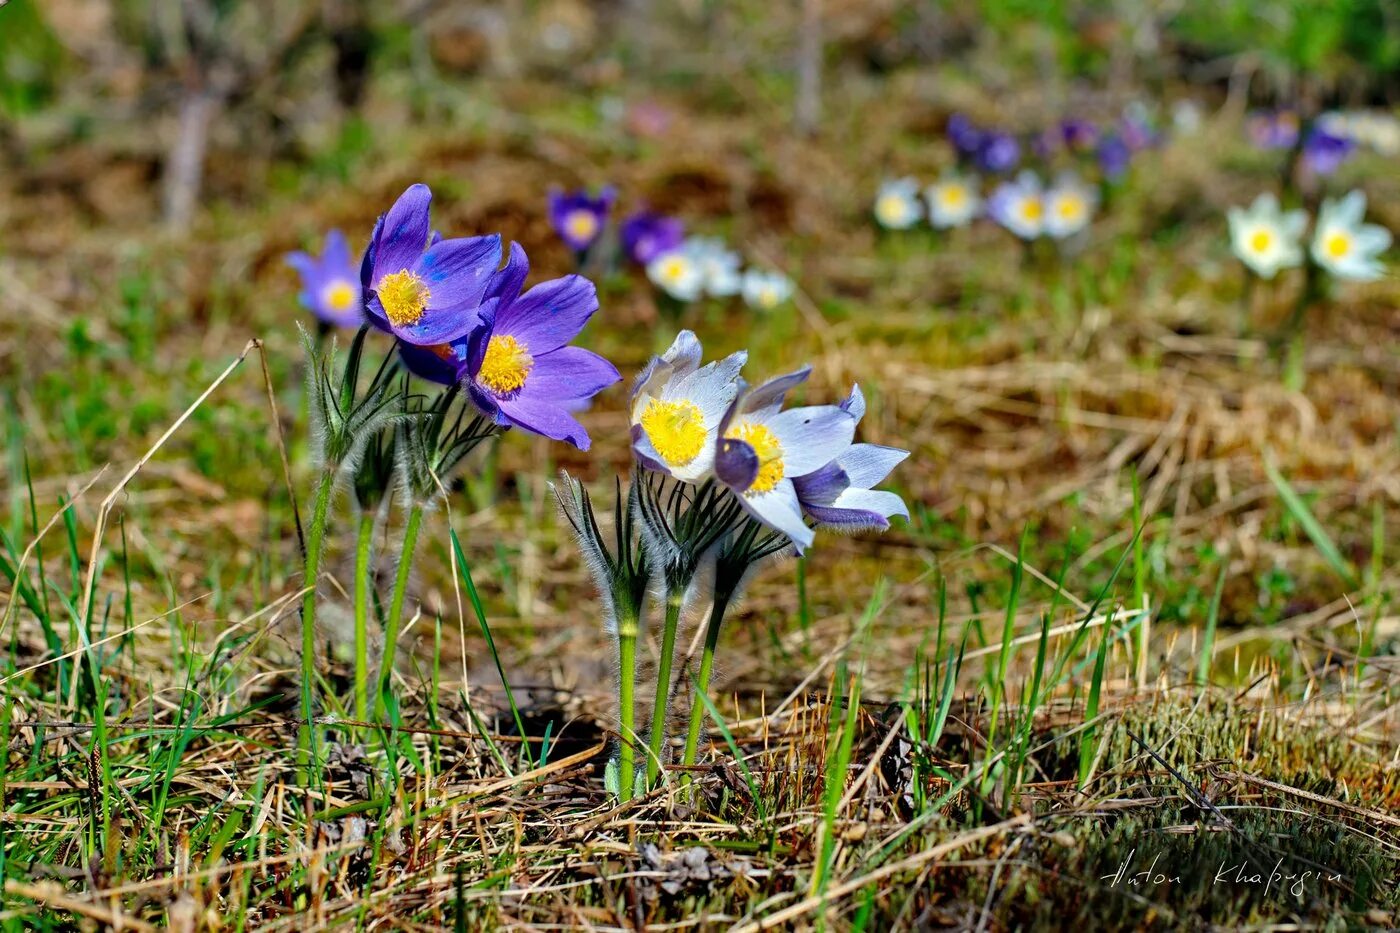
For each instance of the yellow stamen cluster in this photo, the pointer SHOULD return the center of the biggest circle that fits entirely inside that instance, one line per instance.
(1031, 209)
(891, 208)
(676, 430)
(952, 196)
(1260, 240)
(769, 452)
(1337, 245)
(581, 224)
(404, 297)
(673, 269)
(505, 366)
(338, 295)
(1071, 208)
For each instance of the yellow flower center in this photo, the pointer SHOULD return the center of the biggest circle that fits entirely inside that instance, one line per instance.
(769, 452)
(1259, 241)
(676, 430)
(506, 364)
(404, 297)
(1031, 210)
(1337, 245)
(581, 225)
(768, 297)
(1071, 208)
(338, 295)
(952, 197)
(891, 209)
(674, 269)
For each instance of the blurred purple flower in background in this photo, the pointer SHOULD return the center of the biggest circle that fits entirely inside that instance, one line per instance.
(1324, 152)
(999, 152)
(330, 283)
(1114, 156)
(1079, 134)
(966, 138)
(647, 235)
(1273, 129)
(579, 217)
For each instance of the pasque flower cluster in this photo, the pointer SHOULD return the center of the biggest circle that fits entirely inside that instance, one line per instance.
(728, 475)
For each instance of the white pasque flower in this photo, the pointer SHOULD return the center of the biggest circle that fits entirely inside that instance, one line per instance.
(953, 201)
(1265, 237)
(719, 265)
(897, 204)
(764, 448)
(677, 407)
(1346, 247)
(764, 290)
(677, 274)
(1069, 205)
(1019, 206)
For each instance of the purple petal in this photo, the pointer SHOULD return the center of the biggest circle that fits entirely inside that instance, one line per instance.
(549, 315)
(544, 416)
(847, 519)
(440, 325)
(821, 487)
(736, 464)
(426, 364)
(457, 272)
(371, 250)
(569, 373)
(772, 392)
(507, 283)
(405, 233)
(336, 254)
(855, 403)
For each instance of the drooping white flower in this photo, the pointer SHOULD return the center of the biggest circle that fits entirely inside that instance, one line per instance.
(1069, 206)
(677, 406)
(1344, 245)
(897, 204)
(764, 290)
(953, 201)
(1267, 238)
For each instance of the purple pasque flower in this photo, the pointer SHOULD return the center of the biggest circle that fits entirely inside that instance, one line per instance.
(1080, 135)
(763, 449)
(965, 137)
(330, 288)
(518, 366)
(647, 235)
(1114, 155)
(578, 217)
(418, 287)
(1324, 152)
(999, 152)
(842, 494)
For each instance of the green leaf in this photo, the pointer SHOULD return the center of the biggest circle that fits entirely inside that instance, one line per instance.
(1305, 518)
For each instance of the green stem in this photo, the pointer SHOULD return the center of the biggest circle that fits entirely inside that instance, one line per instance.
(627, 710)
(306, 743)
(362, 576)
(391, 624)
(663, 682)
(707, 663)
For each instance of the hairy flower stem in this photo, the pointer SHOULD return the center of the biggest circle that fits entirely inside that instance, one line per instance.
(391, 624)
(627, 709)
(315, 536)
(362, 576)
(674, 597)
(702, 686)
